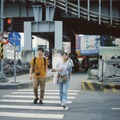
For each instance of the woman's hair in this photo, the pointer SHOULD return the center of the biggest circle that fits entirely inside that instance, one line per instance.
(64, 53)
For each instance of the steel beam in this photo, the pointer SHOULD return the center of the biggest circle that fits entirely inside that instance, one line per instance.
(50, 10)
(27, 36)
(66, 6)
(88, 10)
(78, 8)
(99, 11)
(43, 26)
(58, 34)
(37, 9)
(54, 3)
(110, 12)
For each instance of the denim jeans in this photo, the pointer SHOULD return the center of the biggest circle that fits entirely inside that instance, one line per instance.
(63, 87)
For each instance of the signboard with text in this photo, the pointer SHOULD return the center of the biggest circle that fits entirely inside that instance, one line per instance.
(87, 44)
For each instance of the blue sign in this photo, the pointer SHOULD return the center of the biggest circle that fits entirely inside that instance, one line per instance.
(18, 47)
(14, 38)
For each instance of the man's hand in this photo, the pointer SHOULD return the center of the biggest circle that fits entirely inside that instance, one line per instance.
(31, 68)
(31, 77)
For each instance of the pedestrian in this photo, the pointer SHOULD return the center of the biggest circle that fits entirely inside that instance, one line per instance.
(39, 68)
(63, 68)
(0, 62)
(70, 61)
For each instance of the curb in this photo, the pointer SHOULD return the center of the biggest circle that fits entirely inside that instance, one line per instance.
(99, 86)
(18, 85)
(112, 86)
(90, 85)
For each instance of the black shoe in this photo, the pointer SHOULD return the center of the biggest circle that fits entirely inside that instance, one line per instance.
(40, 102)
(64, 106)
(35, 100)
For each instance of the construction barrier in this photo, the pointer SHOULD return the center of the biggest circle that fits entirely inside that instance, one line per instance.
(99, 86)
(1, 50)
(89, 85)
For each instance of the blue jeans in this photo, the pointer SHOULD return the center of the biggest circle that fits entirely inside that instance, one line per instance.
(63, 87)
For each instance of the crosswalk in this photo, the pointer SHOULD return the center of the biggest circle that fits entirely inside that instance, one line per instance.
(19, 104)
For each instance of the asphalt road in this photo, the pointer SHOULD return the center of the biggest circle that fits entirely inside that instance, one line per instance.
(82, 105)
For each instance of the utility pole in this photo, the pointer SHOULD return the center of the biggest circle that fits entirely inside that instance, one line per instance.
(2, 76)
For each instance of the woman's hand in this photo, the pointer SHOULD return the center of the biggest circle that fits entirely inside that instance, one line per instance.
(59, 70)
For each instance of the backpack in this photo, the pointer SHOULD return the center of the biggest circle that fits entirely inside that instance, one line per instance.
(35, 62)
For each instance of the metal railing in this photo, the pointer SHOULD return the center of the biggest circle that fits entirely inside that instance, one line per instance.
(86, 13)
(79, 11)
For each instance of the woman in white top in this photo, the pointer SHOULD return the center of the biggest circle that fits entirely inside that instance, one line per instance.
(63, 68)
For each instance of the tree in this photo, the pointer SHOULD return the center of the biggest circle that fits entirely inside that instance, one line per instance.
(107, 40)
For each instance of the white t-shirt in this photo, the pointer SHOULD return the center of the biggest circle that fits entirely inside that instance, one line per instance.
(64, 66)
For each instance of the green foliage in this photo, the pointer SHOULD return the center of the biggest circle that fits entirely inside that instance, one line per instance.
(107, 40)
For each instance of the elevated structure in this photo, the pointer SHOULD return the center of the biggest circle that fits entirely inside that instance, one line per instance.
(96, 17)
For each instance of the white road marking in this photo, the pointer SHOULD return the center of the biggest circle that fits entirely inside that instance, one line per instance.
(115, 108)
(32, 107)
(29, 101)
(48, 90)
(47, 93)
(21, 96)
(27, 96)
(30, 115)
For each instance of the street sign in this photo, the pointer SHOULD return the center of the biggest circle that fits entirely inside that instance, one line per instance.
(18, 47)
(14, 38)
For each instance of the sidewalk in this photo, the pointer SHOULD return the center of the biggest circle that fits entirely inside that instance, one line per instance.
(22, 81)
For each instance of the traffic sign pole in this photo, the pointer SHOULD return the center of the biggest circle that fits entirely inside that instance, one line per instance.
(2, 76)
(14, 66)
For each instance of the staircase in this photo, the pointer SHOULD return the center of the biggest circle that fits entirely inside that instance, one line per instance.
(73, 7)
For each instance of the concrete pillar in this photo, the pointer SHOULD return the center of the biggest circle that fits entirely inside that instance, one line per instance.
(51, 44)
(73, 44)
(27, 36)
(58, 35)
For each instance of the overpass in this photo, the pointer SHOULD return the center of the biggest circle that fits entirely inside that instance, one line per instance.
(96, 17)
